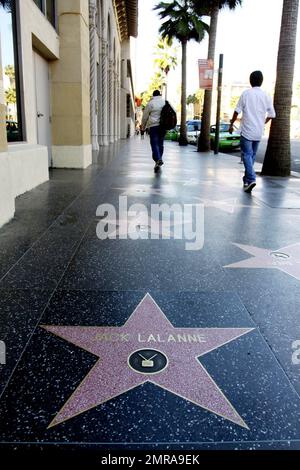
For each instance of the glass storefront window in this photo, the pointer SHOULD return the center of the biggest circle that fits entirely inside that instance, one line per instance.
(10, 70)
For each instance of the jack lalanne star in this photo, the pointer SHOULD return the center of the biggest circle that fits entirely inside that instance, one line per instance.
(151, 338)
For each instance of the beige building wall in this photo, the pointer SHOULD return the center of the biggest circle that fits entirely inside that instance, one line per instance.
(71, 140)
(127, 122)
(112, 86)
(7, 201)
(108, 59)
(24, 165)
(35, 33)
(29, 160)
(3, 139)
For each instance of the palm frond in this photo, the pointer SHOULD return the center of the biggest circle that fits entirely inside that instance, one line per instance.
(232, 4)
(205, 6)
(180, 21)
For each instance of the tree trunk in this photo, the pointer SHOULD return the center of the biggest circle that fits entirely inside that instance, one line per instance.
(183, 136)
(166, 87)
(204, 138)
(277, 160)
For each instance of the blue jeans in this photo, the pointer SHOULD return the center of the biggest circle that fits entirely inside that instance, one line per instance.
(157, 136)
(249, 150)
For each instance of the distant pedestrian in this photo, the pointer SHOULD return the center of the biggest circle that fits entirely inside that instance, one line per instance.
(257, 109)
(151, 121)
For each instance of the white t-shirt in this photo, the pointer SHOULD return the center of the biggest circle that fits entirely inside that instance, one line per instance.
(255, 105)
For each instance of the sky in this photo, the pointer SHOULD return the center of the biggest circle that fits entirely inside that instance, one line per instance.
(5, 31)
(248, 37)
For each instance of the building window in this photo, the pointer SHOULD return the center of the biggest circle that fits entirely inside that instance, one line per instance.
(11, 81)
(128, 69)
(50, 11)
(128, 106)
(48, 8)
(39, 3)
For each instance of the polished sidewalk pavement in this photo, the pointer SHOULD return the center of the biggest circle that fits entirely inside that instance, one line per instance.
(123, 343)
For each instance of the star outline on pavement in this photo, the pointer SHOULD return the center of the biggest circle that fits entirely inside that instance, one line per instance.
(234, 333)
(227, 205)
(146, 190)
(288, 261)
(149, 228)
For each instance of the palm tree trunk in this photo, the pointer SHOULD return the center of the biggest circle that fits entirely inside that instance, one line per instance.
(166, 87)
(277, 160)
(204, 138)
(183, 136)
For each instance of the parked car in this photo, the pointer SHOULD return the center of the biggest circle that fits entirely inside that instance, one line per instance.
(173, 134)
(12, 130)
(193, 131)
(227, 141)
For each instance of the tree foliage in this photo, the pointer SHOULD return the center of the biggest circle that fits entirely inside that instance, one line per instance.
(210, 7)
(180, 21)
(10, 96)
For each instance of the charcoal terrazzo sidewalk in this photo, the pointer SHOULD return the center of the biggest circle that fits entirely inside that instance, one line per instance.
(84, 320)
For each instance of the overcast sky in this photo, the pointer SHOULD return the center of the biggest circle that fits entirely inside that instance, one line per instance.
(248, 37)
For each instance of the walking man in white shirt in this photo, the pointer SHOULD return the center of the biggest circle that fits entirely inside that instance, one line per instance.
(151, 120)
(257, 109)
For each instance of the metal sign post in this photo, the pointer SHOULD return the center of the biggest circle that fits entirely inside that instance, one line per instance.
(220, 78)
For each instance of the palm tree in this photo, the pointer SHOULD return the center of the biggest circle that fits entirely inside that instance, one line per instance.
(196, 100)
(10, 96)
(9, 71)
(212, 7)
(166, 59)
(277, 160)
(184, 24)
(157, 82)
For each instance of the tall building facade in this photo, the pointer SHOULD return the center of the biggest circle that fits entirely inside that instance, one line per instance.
(113, 24)
(66, 87)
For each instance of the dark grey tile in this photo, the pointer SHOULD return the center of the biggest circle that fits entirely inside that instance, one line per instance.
(142, 264)
(20, 311)
(276, 312)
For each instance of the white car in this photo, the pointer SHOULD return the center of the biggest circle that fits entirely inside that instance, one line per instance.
(193, 131)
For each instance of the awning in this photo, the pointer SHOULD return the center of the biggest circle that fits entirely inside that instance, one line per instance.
(127, 17)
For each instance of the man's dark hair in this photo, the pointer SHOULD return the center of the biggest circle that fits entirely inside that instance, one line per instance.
(156, 93)
(256, 78)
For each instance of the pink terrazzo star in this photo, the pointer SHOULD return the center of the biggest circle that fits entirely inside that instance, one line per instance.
(286, 259)
(147, 337)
